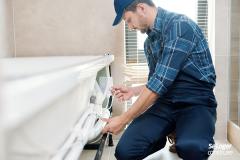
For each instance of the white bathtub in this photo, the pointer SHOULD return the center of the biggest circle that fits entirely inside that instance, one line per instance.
(42, 100)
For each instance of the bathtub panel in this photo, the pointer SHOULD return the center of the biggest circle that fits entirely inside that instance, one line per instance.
(25, 90)
(57, 120)
(15, 68)
(42, 105)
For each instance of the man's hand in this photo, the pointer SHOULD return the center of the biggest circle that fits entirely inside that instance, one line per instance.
(122, 93)
(144, 101)
(115, 125)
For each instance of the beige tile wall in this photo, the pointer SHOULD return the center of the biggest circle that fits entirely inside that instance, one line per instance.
(235, 51)
(6, 29)
(220, 41)
(69, 27)
(233, 124)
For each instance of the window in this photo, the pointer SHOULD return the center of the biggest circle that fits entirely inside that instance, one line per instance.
(202, 16)
(136, 70)
(134, 53)
(136, 66)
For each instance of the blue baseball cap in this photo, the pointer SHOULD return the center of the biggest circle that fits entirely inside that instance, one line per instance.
(120, 6)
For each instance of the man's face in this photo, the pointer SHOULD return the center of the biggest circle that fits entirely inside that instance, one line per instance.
(135, 20)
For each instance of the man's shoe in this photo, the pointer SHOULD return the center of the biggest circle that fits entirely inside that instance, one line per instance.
(172, 148)
(172, 140)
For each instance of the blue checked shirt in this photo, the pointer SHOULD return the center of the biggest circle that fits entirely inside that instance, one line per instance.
(179, 60)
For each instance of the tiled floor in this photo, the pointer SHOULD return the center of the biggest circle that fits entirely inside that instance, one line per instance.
(218, 154)
(164, 154)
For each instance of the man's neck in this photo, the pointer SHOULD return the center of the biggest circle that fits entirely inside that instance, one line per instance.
(153, 15)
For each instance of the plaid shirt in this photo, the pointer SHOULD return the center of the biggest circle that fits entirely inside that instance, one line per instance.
(179, 59)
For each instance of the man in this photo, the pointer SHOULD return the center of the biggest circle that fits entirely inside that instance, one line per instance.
(179, 92)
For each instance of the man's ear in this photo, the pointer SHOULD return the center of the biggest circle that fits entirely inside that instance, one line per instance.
(141, 9)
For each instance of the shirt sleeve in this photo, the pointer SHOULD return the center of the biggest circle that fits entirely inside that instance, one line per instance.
(177, 47)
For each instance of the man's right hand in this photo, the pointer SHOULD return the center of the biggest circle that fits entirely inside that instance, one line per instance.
(122, 93)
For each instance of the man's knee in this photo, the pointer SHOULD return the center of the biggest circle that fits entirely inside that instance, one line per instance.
(122, 152)
(193, 150)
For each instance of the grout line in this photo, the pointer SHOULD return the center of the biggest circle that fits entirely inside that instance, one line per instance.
(14, 32)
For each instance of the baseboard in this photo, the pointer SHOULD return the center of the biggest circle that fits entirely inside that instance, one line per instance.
(233, 132)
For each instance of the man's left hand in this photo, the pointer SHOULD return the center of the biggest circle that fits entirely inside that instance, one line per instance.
(114, 125)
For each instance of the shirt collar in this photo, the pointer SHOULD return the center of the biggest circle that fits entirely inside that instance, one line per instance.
(158, 23)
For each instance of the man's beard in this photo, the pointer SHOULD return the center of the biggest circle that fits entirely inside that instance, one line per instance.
(143, 31)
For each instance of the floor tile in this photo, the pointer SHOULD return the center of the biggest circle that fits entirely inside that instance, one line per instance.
(164, 154)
